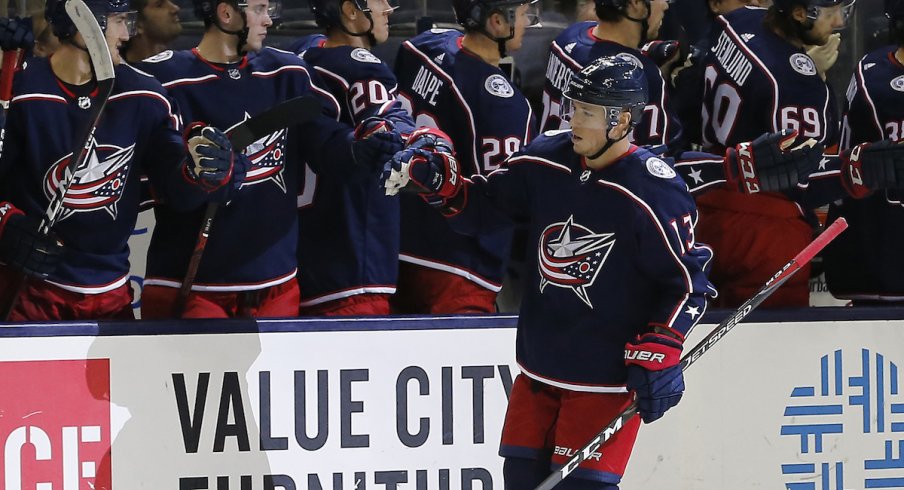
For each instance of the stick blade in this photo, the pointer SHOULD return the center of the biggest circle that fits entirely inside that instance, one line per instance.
(292, 112)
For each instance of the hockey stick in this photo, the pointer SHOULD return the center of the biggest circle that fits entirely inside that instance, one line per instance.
(289, 113)
(780, 277)
(104, 72)
(12, 60)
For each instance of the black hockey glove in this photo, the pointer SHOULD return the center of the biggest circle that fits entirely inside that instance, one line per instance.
(213, 164)
(375, 142)
(871, 166)
(427, 166)
(24, 247)
(16, 33)
(663, 53)
(654, 371)
(768, 164)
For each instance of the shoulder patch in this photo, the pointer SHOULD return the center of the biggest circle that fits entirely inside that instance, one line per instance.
(659, 168)
(364, 56)
(157, 58)
(898, 84)
(803, 64)
(497, 85)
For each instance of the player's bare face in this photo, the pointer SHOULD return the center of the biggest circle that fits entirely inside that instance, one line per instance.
(657, 12)
(258, 20)
(160, 21)
(525, 15)
(117, 32)
(588, 126)
(380, 10)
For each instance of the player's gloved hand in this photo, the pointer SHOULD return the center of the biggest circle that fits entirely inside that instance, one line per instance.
(375, 142)
(654, 371)
(826, 55)
(662, 52)
(768, 163)
(427, 166)
(871, 166)
(24, 247)
(16, 33)
(213, 163)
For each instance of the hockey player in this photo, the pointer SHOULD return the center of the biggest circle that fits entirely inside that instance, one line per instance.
(616, 273)
(453, 82)
(86, 276)
(348, 244)
(622, 27)
(865, 263)
(759, 78)
(249, 266)
(156, 27)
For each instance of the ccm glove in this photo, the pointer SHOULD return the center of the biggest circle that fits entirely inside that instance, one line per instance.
(375, 142)
(213, 163)
(24, 247)
(654, 372)
(768, 164)
(16, 33)
(871, 166)
(427, 166)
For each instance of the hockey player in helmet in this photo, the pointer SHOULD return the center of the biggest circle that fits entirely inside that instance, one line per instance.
(452, 81)
(157, 25)
(363, 241)
(80, 270)
(231, 17)
(601, 281)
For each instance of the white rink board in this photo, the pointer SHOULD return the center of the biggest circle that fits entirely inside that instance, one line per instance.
(726, 433)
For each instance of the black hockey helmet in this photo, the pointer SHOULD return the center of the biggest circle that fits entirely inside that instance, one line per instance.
(63, 28)
(473, 14)
(815, 6)
(206, 10)
(617, 82)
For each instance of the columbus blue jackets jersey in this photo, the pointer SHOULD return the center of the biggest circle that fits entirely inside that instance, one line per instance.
(349, 230)
(614, 253)
(488, 119)
(865, 262)
(253, 240)
(575, 48)
(139, 132)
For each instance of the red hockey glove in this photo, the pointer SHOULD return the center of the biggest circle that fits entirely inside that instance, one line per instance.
(768, 163)
(654, 371)
(871, 166)
(427, 166)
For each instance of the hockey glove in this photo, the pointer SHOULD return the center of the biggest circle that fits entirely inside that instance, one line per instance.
(213, 163)
(654, 371)
(427, 166)
(767, 164)
(663, 53)
(871, 166)
(375, 142)
(24, 247)
(16, 33)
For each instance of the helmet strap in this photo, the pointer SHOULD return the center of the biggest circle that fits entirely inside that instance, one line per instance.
(369, 33)
(500, 41)
(242, 33)
(608, 144)
(644, 23)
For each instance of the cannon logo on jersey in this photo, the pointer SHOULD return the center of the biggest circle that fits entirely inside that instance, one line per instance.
(571, 257)
(268, 157)
(897, 84)
(364, 56)
(97, 184)
(497, 85)
(803, 64)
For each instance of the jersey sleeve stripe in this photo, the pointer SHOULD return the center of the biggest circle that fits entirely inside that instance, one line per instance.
(189, 81)
(541, 161)
(47, 97)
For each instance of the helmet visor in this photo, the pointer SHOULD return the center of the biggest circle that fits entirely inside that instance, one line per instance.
(380, 6)
(128, 19)
(273, 9)
(583, 115)
(839, 15)
(533, 14)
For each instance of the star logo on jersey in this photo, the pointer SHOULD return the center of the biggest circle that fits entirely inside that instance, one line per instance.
(97, 184)
(571, 256)
(696, 174)
(268, 156)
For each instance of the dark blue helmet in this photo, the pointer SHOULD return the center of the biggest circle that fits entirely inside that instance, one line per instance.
(611, 81)
(813, 7)
(473, 14)
(63, 28)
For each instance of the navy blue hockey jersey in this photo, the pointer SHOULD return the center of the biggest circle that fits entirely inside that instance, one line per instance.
(253, 239)
(139, 132)
(349, 230)
(614, 253)
(865, 262)
(575, 48)
(488, 119)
